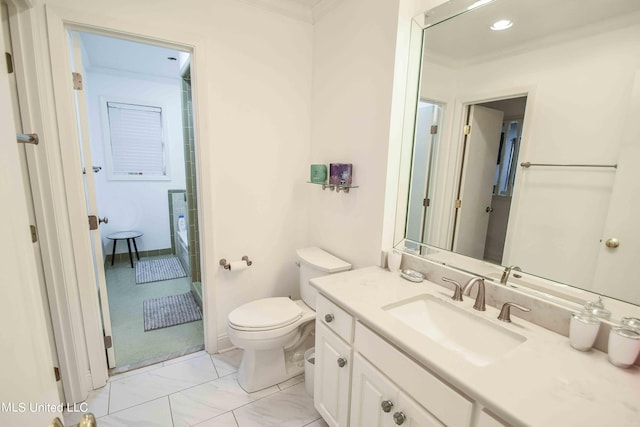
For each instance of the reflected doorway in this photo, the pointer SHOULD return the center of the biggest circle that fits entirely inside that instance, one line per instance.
(425, 151)
(487, 178)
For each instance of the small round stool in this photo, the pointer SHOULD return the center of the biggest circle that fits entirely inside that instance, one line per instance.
(128, 236)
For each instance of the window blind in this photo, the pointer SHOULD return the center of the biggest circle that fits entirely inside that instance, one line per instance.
(137, 148)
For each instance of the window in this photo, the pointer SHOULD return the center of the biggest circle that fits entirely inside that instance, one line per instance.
(135, 142)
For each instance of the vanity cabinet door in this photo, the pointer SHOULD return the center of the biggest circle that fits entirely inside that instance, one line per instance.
(377, 402)
(373, 397)
(414, 414)
(332, 377)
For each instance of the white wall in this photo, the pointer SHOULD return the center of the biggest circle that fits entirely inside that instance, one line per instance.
(568, 249)
(255, 80)
(135, 205)
(353, 66)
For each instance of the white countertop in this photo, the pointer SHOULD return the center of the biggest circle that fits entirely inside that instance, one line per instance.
(542, 382)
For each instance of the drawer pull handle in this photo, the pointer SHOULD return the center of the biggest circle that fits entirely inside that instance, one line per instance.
(342, 361)
(386, 405)
(328, 318)
(399, 418)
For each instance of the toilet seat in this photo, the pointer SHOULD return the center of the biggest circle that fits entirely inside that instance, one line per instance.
(265, 315)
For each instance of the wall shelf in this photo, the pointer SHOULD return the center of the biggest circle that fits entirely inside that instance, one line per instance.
(338, 188)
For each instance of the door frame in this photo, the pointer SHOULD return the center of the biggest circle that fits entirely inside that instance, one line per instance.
(58, 22)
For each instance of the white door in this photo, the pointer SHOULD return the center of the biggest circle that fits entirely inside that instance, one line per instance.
(378, 402)
(374, 397)
(478, 173)
(332, 379)
(27, 367)
(90, 194)
(26, 185)
(411, 414)
(615, 264)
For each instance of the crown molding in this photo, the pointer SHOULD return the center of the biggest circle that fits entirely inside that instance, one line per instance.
(321, 8)
(295, 9)
(302, 10)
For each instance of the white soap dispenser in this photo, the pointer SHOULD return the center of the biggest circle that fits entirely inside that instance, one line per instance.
(583, 328)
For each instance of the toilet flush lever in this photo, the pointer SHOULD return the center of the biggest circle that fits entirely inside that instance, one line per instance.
(328, 318)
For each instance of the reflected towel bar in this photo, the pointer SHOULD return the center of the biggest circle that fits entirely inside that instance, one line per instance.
(529, 164)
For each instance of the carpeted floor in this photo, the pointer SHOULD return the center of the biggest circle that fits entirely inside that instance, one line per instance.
(131, 343)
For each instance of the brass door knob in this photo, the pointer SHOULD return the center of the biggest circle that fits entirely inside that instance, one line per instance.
(612, 243)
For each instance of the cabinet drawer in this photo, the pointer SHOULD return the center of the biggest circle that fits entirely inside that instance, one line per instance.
(450, 407)
(335, 318)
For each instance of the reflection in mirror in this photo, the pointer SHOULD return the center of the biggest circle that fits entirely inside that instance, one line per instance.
(534, 161)
(428, 119)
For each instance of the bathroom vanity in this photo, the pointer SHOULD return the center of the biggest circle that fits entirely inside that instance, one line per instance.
(393, 352)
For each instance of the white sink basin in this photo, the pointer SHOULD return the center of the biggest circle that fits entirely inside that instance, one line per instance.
(479, 341)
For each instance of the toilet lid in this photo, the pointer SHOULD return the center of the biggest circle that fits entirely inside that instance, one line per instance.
(266, 313)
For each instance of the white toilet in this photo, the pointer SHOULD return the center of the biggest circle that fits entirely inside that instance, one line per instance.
(275, 332)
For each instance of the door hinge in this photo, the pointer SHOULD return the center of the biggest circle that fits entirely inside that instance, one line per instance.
(56, 372)
(467, 129)
(9, 59)
(426, 202)
(34, 233)
(434, 129)
(458, 203)
(108, 342)
(77, 81)
(93, 222)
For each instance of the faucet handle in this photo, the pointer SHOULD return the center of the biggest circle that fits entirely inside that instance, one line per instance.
(457, 294)
(505, 313)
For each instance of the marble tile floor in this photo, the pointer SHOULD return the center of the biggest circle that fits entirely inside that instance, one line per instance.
(198, 390)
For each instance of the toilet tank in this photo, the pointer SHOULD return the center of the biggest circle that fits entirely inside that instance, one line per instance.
(314, 262)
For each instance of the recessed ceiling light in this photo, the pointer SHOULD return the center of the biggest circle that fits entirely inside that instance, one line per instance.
(502, 24)
(479, 3)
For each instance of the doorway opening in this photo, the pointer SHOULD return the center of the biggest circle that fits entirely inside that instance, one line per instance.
(487, 177)
(137, 144)
(420, 221)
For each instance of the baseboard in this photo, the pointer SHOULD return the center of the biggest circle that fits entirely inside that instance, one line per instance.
(224, 343)
(124, 256)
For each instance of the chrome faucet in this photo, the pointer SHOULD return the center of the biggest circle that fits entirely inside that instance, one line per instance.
(507, 272)
(466, 290)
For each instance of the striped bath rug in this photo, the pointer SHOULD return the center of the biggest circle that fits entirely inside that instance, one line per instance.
(155, 270)
(170, 311)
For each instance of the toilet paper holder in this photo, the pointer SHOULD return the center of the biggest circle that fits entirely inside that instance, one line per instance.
(227, 265)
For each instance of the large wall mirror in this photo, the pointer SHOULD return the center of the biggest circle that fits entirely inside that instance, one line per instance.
(522, 145)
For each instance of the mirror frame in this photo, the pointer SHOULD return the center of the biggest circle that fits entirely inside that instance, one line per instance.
(556, 292)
